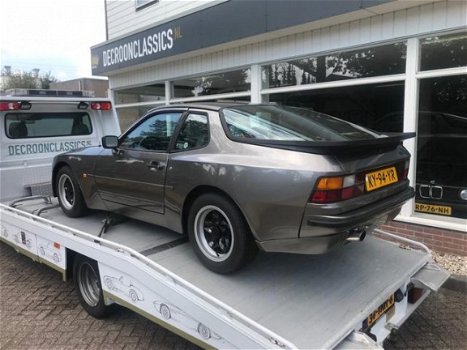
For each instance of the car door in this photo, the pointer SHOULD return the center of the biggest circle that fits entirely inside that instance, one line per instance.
(132, 176)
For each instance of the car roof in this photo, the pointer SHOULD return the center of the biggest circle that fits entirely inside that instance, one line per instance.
(213, 106)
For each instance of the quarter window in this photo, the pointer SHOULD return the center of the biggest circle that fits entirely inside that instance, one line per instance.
(194, 133)
(32, 125)
(153, 133)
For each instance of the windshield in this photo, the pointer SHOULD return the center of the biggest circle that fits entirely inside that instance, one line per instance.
(268, 122)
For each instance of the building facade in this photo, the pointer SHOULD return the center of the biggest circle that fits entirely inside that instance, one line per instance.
(100, 87)
(388, 65)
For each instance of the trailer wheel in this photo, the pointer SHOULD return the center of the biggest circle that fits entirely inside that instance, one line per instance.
(70, 197)
(88, 286)
(219, 234)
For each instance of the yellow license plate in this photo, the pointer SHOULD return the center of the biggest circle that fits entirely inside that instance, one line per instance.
(380, 178)
(380, 311)
(433, 209)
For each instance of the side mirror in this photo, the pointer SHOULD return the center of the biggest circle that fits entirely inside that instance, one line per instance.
(110, 141)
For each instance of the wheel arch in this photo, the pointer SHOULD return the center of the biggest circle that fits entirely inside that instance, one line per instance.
(203, 189)
(55, 170)
(70, 259)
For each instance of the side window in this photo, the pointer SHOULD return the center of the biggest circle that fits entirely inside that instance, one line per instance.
(194, 133)
(153, 134)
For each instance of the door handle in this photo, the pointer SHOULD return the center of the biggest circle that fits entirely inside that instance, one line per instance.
(155, 165)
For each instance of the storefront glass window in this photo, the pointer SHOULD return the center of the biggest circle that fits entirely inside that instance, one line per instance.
(441, 183)
(220, 83)
(377, 106)
(127, 116)
(446, 51)
(147, 93)
(361, 63)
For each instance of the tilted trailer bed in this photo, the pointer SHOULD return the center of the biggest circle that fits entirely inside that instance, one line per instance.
(351, 297)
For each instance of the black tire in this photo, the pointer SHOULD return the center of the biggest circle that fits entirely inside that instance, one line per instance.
(69, 194)
(219, 234)
(88, 287)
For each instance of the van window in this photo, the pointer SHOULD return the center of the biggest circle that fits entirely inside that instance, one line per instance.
(32, 125)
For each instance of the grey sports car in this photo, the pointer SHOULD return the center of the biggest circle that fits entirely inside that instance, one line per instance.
(235, 177)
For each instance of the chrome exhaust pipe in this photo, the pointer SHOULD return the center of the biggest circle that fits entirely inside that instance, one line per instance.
(357, 234)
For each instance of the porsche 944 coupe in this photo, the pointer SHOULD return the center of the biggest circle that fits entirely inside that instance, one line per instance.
(235, 177)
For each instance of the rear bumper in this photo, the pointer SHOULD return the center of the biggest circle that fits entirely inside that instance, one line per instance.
(321, 233)
(357, 216)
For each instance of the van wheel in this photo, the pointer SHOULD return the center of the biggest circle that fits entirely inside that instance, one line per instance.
(219, 234)
(69, 193)
(88, 286)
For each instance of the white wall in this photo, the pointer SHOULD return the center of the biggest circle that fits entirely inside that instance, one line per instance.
(123, 18)
(419, 20)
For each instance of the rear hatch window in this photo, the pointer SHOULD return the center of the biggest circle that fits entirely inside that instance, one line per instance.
(302, 130)
(290, 124)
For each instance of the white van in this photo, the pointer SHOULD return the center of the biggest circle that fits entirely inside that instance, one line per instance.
(36, 125)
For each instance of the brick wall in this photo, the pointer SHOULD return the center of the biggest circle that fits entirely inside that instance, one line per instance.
(437, 239)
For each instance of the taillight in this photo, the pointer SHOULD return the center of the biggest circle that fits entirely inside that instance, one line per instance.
(9, 106)
(14, 106)
(101, 106)
(413, 293)
(337, 188)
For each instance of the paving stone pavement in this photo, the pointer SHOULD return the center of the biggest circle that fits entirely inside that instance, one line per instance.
(40, 311)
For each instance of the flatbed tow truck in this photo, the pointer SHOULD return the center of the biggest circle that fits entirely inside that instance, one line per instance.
(350, 298)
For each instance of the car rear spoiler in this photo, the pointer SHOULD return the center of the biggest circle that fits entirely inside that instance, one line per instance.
(387, 142)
